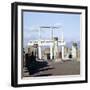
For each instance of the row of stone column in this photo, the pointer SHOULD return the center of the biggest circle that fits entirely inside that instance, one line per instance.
(51, 52)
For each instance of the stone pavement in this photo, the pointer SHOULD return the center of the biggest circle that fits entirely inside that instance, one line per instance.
(56, 68)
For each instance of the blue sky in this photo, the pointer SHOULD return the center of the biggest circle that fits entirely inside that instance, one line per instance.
(70, 24)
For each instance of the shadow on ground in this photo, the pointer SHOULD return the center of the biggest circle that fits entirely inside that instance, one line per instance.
(34, 66)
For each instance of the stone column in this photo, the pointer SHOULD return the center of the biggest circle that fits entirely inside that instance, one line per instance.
(55, 47)
(51, 54)
(74, 52)
(39, 52)
(62, 52)
(62, 40)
